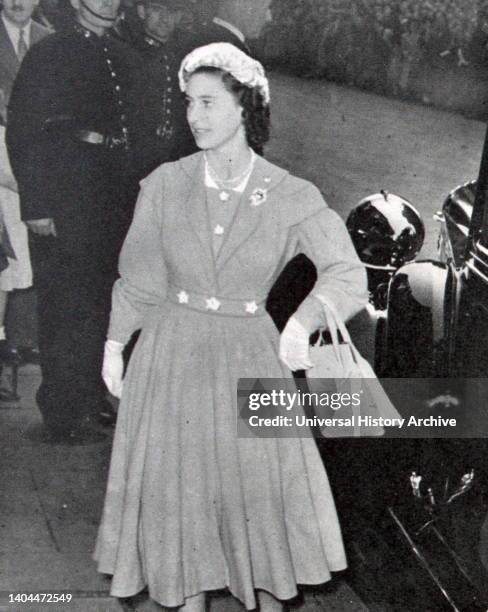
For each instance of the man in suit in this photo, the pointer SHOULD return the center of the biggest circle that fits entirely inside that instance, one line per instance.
(72, 137)
(236, 21)
(18, 32)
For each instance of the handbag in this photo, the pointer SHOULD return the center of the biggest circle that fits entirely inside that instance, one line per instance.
(340, 366)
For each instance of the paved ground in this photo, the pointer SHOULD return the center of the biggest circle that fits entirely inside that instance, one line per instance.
(50, 505)
(352, 144)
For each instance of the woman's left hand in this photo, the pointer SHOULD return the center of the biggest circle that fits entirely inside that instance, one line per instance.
(113, 367)
(295, 346)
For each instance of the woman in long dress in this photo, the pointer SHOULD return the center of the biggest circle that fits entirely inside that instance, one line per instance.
(191, 506)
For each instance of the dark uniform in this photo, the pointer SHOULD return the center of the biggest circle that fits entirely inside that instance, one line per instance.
(214, 32)
(72, 142)
(128, 27)
(167, 136)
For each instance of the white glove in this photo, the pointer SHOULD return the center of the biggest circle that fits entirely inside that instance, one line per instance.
(113, 367)
(294, 346)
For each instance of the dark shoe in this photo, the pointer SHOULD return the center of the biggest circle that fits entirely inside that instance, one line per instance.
(140, 603)
(9, 370)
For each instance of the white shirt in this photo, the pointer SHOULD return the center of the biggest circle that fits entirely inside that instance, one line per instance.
(230, 27)
(209, 181)
(13, 32)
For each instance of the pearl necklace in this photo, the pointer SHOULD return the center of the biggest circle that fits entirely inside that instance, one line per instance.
(235, 180)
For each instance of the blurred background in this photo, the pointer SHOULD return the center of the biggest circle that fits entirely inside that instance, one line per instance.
(432, 51)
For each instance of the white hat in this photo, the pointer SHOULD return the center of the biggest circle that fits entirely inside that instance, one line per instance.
(228, 58)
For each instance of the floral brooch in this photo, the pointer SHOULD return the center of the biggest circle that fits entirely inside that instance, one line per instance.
(258, 196)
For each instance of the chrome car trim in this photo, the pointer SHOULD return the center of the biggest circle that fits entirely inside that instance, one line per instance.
(473, 268)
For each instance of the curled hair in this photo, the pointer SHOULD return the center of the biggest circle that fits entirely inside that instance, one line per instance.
(255, 112)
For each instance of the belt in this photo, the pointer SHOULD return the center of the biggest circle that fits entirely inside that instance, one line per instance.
(211, 304)
(95, 138)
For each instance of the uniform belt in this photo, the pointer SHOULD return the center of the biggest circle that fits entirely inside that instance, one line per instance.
(211, 304)
(111, 142)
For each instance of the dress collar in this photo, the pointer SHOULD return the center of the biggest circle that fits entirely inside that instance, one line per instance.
(264, 174)
(210, 182)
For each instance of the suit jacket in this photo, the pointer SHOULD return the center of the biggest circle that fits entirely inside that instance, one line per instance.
(9, 62)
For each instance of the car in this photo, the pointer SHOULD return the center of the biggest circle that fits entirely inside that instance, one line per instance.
(431, 314)
(430, 328)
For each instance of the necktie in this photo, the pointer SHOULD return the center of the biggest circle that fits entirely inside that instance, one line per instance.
(21, 46)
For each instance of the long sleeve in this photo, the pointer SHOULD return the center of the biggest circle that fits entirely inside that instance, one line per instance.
(142, 283)
(29, 147)
(65, 86)
(341, 277)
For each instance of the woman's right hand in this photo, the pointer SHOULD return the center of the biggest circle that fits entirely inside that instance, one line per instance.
(295, 346)
(113, 367)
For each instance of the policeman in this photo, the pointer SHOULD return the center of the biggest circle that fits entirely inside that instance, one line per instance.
(163, 114)
(72, 142)
(236, 22)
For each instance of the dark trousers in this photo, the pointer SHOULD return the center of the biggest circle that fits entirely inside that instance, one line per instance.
(74, 296)
(21, 320)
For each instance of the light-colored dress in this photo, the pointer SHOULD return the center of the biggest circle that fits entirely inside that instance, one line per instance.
(18, 274)
(190, 506)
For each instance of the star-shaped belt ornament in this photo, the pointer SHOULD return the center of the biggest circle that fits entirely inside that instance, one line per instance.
(212, 303)
(251, 307)
(183, 297)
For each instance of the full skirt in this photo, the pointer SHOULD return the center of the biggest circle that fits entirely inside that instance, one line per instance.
(192, 507)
